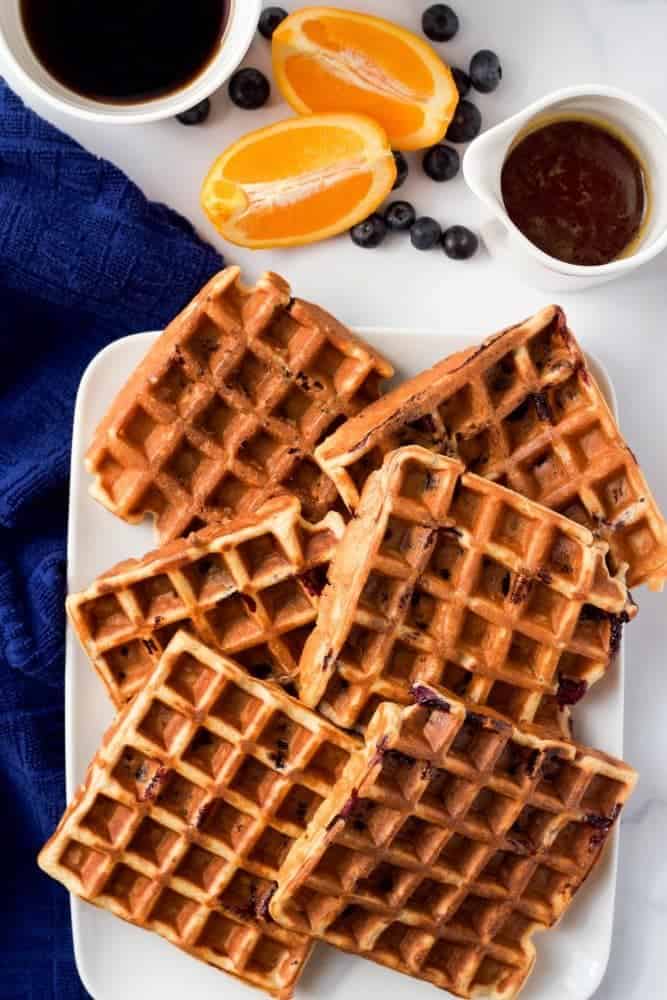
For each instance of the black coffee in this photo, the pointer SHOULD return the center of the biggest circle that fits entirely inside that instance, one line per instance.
(124, 50)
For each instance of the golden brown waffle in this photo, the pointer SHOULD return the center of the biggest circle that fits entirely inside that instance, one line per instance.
(189, 807)
(523, 410)
(450, 839)
(228, 406)
(249, 588)
(447, 576)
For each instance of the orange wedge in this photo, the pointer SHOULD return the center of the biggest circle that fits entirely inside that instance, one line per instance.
(299, 180)
(326, 59)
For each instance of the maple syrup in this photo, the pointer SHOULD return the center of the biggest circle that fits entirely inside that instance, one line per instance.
(577, 190)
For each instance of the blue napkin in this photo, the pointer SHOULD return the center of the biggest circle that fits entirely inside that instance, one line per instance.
(84, 258)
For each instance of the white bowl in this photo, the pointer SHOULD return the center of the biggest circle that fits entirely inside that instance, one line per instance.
(483, 162)
(15, 49)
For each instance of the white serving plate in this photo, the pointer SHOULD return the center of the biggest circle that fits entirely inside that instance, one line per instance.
(117, 961)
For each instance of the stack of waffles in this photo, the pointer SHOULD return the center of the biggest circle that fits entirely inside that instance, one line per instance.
(344, 680)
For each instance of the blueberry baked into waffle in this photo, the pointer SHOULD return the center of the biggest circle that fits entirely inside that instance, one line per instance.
(249, 588)
(524, 410)
(450, 840)
(189, 807)
(228, 406)
(447, 576)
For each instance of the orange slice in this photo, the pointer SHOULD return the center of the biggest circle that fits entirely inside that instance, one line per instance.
(299, 180)
(326, 59)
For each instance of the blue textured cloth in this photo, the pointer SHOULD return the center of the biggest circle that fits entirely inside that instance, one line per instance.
(84, 258)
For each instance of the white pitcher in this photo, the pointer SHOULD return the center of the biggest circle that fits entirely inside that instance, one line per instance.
(483, 163)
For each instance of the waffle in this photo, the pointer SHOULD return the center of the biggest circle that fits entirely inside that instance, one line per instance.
(448, 576)
(228, 406)
(249, 588)
(189, 807)
(450, 839)
(523, 410)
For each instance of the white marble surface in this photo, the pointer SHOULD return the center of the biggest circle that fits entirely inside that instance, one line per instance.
(543, 46)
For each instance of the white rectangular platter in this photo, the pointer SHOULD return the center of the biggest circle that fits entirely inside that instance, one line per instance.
(117, 961)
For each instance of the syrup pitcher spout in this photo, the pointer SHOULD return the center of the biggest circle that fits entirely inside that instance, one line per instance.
(638, 126)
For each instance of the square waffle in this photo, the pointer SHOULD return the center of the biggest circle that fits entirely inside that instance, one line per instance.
(189, 806)
(249, 588)
(523, 410)
(448, 576)
(228, 406)
(451, 838)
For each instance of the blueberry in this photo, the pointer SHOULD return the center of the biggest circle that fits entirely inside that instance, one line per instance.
(249, 89)
(459, 243)
(485, 71)
(441, 163)
(439, 22)
(425, 233)
(462, 81)
(466, 123)
(369, 233)
(401, 169)
(269, 20)
(400, 216)
(196, 115)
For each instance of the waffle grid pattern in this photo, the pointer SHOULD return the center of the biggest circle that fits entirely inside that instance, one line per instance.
(524, 411)
(249, 589)
(189, 807)
(448, 577)
(449, 841)
(229, 406)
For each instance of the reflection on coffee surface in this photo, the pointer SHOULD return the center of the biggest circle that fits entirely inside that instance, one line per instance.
(577, 191)
(126, 50)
